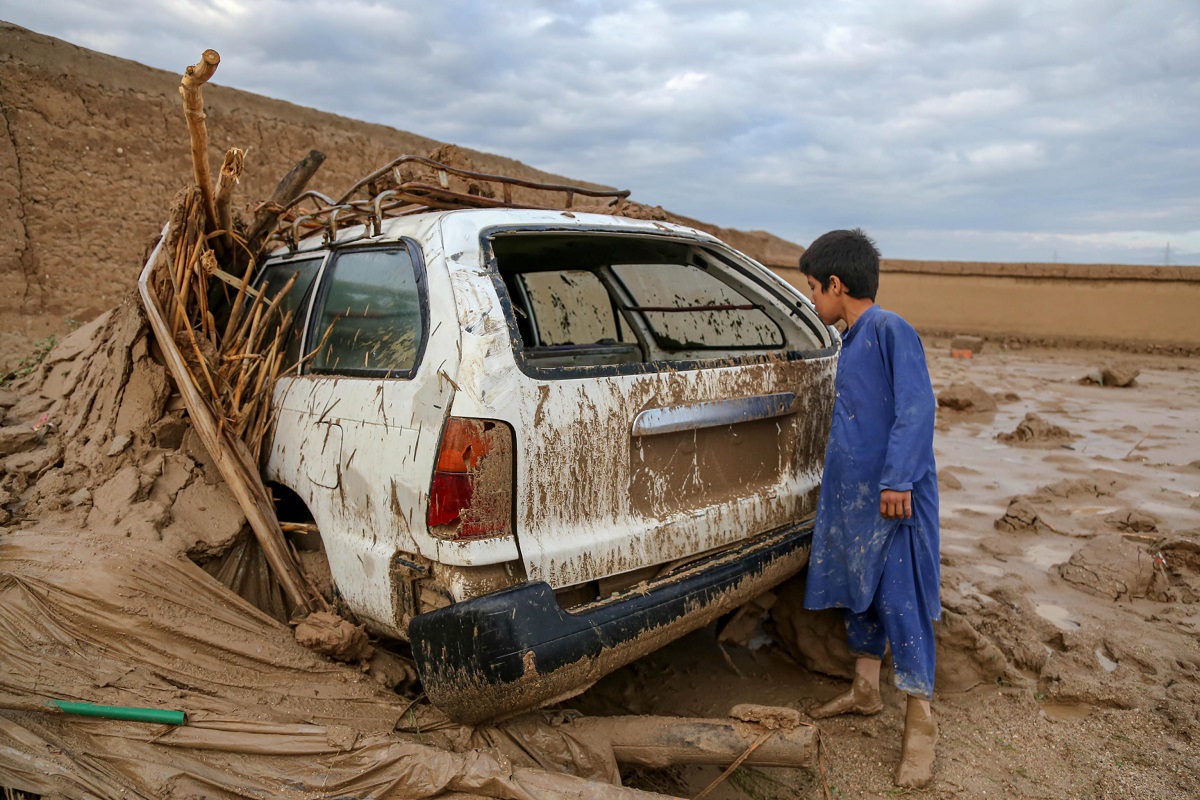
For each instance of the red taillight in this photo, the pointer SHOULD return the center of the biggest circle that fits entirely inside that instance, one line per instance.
(470, 496)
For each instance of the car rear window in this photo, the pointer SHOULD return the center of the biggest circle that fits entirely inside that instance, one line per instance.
(571, 307)
(687, 308)
(617, 301)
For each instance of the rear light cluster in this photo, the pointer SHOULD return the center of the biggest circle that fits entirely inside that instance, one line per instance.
(471, 493)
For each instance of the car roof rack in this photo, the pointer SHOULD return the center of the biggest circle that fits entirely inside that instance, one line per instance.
(413, 184)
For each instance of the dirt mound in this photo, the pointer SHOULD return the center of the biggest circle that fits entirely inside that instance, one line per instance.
(1179, 558)
(1133, 520)
(1036, 432)
(332, 636)
(948, 480)
(1099, 483)
(117, 454)
(965, 397)
(1117, 374)
(817, 640)
(1049, 507)
(1115, 568)
(1023, 514)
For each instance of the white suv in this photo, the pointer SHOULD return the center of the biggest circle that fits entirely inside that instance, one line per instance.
(539, 444)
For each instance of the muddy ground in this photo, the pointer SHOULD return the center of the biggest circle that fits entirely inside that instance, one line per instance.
(1069, 656)
(1084, 681)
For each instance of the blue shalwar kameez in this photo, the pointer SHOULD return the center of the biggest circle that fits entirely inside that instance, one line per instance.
(884, 572)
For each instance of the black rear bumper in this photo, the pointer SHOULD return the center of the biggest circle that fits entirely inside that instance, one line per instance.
(518, 649)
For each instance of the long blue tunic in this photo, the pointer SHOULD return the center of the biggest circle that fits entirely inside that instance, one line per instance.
(881, 438)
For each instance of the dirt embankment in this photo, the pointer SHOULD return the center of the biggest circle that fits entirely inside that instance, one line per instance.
(92, 148)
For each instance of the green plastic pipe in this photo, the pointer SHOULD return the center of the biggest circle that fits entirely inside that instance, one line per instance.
(160, 715)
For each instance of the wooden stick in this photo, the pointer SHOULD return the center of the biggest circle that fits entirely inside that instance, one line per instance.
(288, 189)
(236, 283)
(194, 77)
(662, 741)
(730, 769)
(227, 178)
(208, 263)
(180, 281)
(243, 288)
(236, 400)
(267, 413)
(256, 401)
(273, 307)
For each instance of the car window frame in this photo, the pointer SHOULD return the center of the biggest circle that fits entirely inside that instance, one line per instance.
(312, 337)
(715, 249)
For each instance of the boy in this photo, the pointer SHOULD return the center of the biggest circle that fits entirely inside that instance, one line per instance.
(875, 543)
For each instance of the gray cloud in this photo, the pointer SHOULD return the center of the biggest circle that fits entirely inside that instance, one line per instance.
(975, 129)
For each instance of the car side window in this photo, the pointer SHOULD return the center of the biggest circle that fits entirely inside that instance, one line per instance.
(370, 320)
(273, 278)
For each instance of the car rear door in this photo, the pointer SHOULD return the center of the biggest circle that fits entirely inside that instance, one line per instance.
(670, 398)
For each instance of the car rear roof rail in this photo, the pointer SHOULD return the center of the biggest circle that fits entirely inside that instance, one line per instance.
(412, 184)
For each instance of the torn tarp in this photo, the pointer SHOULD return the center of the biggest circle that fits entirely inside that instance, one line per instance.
(97, 618)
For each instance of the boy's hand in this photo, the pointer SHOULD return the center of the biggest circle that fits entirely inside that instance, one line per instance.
(895, 505)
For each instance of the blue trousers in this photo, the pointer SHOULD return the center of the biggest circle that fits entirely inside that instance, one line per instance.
(898, 616)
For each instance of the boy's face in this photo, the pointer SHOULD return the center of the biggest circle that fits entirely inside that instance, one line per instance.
(828, 301)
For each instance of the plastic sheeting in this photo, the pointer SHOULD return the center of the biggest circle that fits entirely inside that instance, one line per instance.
(100, 619)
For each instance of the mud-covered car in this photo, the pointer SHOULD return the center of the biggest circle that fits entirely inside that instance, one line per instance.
(539, 444)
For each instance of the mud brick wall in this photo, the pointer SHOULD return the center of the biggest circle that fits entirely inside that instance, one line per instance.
(1107, 305)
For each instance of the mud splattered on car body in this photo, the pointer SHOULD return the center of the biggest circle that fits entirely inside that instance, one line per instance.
(519, 411)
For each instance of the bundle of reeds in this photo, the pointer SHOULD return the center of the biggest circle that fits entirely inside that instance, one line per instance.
(234, 363)
(222, 338)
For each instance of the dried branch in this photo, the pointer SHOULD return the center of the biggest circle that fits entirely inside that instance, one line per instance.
(288, 189)
(226, 382)
(227, 179)
(195, 77)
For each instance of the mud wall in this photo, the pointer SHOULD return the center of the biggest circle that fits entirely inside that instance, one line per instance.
(1110, 305)
(92, 148)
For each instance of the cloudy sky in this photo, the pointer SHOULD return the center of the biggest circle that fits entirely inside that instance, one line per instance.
(948, 129)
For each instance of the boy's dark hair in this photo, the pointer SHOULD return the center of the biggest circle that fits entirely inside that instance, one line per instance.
(851, 255)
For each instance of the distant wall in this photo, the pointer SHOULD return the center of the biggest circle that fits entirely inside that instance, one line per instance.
(1085, 304)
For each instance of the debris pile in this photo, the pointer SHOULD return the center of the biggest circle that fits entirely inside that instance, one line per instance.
(1036, 432)
(965, 397)
(1117, 374)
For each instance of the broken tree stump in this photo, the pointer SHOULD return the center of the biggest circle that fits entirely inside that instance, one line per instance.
(227, 179)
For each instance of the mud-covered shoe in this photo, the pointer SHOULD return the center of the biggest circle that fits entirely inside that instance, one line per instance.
(916, 755)
(862, 698)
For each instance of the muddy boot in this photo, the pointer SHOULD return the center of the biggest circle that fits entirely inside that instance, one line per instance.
(916, 756)
(863, 698)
